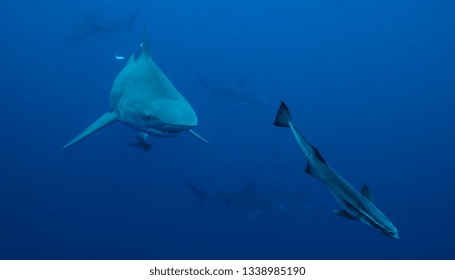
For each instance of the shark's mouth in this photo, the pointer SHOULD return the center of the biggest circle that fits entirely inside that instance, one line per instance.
(163, 133)
(170, 131)
(162, 130)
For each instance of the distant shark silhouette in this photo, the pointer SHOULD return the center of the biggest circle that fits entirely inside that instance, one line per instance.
(235, 93)
(249, 198)
(356, 205)
(90, 27)
(143, 98)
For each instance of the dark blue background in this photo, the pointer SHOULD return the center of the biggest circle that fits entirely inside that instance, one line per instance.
(370, 83)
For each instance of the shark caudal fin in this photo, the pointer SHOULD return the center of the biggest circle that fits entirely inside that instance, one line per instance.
(103, 121)
(283, 117)
(201, 195)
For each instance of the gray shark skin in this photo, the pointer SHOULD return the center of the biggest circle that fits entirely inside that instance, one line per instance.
(248, 198)
(356, 205)
(143, 98)
(90, 27)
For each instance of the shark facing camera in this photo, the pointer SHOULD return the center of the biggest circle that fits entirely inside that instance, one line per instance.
(141, 89)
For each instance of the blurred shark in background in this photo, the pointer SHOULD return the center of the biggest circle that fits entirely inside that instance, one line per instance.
(91, 27)
(249, 198)
(235, 93)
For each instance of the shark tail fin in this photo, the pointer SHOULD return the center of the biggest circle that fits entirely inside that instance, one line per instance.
(201, 195)
(103, 121)
(283, 117)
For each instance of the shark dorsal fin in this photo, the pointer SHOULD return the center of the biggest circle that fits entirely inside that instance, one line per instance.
(145, 45)
(309, 170)
(318, 155)
(365, 191)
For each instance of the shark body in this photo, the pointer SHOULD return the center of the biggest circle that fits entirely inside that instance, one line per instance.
(90, 27)
(235, 93)
(143, 98)
(249, 198)
(356, 205)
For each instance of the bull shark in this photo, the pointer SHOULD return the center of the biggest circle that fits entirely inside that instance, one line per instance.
(143, 98)
(356, 205)
(90, 27)
(248, 198)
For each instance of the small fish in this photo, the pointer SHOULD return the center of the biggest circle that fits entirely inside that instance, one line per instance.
(119, 57)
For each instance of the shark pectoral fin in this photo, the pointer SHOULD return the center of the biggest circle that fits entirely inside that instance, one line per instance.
(198, 136)
(201, 195)
(103, 121)
(344, 214)
(365, 191)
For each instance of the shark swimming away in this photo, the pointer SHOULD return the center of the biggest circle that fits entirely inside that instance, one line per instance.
(143, 98)
(356, 205)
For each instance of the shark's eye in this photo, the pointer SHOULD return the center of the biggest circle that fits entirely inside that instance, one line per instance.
(147, 117)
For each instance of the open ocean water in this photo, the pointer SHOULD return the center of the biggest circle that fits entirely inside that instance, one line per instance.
(371, 84)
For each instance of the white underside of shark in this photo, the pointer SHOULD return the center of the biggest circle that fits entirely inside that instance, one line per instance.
(143, 98)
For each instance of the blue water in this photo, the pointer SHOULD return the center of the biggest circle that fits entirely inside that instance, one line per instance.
(371, 84)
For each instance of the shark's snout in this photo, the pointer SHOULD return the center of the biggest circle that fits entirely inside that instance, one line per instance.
(393, 234)
(176, 116)
(167, 118)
